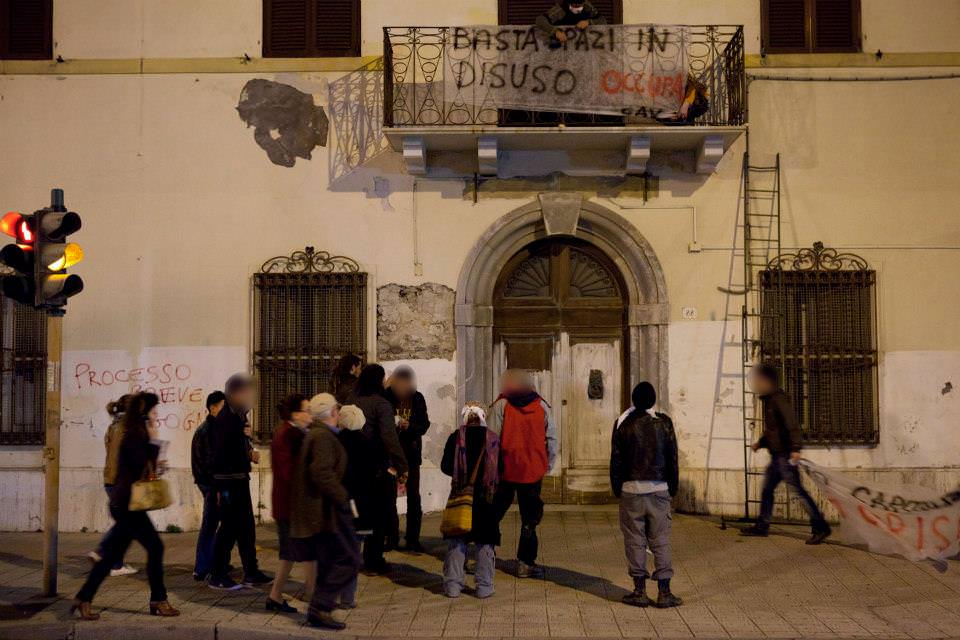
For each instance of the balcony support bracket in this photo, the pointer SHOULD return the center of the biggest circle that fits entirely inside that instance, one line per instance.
(487, 155)
(709, 154)
(638, 153)
(415, 155)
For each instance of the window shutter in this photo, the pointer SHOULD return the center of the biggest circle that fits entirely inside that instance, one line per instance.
(527, 11)
(784, 26)
(338, 27)
(837, 25)
(285, 31)
(26, 29)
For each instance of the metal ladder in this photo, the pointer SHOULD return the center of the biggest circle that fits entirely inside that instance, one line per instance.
(761, 243)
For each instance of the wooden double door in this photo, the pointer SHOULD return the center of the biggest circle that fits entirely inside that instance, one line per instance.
(559, 312)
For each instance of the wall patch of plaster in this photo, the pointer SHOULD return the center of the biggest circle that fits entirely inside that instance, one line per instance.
(415, 322)
(287, 124)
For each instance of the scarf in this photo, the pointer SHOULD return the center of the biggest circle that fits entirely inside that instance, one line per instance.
(491, 453)
(521, 399)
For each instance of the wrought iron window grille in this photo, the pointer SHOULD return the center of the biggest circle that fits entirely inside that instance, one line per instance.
(23, 368)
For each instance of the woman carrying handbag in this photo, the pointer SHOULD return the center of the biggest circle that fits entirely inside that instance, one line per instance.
(136, 491)
(471, 458)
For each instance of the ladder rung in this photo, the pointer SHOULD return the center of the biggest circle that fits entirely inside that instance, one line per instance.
(760, 168)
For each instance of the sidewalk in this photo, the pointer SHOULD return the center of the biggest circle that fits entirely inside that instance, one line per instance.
(733, 588)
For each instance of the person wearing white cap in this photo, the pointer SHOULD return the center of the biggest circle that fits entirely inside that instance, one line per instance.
(320, 511)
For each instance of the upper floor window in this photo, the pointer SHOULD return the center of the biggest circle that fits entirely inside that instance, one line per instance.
(526, 11)
(810, 26)
(26, 29)
(23, 369)
(311, 28)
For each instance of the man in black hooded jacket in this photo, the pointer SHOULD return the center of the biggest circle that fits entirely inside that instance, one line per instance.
(644, 474)
(554, 23)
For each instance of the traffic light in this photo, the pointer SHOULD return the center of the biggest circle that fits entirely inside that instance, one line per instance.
(41, 256)
(19, 285)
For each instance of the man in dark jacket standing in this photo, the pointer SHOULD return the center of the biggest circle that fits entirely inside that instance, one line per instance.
(564, 15)
(201, 463)
(783, 438)
(644, 474)
(410, 408)
(232, 454)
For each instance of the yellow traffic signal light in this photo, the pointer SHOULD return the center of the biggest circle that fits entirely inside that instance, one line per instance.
(69, 256)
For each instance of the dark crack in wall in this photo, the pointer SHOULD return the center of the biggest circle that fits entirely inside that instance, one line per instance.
(287, 124)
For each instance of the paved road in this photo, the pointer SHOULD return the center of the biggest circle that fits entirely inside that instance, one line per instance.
(733, 588)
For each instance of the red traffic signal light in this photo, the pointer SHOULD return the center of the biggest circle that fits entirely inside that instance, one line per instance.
(19, 227)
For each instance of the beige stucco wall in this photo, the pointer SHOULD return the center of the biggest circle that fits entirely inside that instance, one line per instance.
(180, 206)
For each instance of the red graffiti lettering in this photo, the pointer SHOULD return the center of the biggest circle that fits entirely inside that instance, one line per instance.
(944, 542)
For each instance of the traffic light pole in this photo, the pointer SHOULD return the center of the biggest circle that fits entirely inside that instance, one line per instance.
(51, 456)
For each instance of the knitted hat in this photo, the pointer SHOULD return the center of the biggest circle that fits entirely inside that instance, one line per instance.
(352, 418)
(473, 409)
(644, 396)
(322, 404)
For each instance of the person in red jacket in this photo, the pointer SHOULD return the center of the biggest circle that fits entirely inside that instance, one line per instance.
(528, 449)
(295, 418)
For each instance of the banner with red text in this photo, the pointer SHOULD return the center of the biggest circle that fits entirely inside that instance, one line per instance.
(636, 70)
(916, 522)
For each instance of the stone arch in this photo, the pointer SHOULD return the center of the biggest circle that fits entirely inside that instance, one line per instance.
(561, 214)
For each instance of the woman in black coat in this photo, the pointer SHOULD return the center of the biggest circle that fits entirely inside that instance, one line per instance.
(136, 460)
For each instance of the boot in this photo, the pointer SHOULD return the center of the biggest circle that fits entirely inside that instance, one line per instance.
(819, 536)
(325, 620)
(639, 597)
(666, 599)
(164, 609)
(83, 610)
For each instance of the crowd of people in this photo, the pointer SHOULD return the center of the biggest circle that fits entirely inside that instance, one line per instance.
(339, 458)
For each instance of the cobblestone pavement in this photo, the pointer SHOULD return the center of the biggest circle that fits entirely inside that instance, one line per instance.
(733, 587)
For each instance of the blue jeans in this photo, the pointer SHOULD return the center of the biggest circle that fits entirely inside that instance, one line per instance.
(203, 564)
(105, 541)
(453, 571)
(780, 470)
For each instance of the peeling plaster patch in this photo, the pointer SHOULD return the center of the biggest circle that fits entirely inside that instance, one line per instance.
(415, 322)
(381, 189)
(947, 388)
(287, 124)
(447, 391)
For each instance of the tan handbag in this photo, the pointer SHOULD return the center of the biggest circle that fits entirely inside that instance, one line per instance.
(150, 493)
(458, 514)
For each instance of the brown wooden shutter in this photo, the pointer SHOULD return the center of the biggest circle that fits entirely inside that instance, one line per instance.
(836, 26)
(26, 29)
(784, 26)
(338, 27)
(311, 28)
(527, 11)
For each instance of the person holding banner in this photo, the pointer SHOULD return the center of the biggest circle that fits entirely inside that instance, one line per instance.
(553, 23)
(783, 438)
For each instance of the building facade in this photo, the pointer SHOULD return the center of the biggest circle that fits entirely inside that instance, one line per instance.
(205, 148)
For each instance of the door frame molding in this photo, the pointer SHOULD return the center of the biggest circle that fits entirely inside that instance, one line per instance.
(648, 309)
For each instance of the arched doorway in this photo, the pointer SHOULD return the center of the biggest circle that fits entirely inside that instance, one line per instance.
(559, 311)
(580, 235)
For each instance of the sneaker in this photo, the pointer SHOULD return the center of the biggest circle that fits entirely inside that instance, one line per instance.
(755, 531)
(666, 600)
(125, 570)
(94, 557)
(525, 570)
(637, 599)
(225, 583)
(484, 594)
(819, 536)
(325, 620)
(256, 578)
(200, 577)
(346, 606)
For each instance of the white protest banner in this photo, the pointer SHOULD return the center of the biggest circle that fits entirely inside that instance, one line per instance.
(916, 522)
(637, 70)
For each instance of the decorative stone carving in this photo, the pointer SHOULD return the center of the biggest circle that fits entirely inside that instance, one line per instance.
(638, 154)
(415, 156)
(415, 322)
(561, 212)
(487, 155)
(709, 154)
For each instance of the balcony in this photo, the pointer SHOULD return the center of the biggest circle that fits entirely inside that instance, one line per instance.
(427, 110)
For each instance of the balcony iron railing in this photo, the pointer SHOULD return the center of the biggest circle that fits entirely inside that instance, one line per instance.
(415, 92)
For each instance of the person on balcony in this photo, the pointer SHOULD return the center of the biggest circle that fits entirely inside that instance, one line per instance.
(554, 23)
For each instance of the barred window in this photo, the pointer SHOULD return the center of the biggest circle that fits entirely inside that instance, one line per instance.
(819, 328)
(527, 11)
(23, 333)
(810, 26)
(309, 309)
